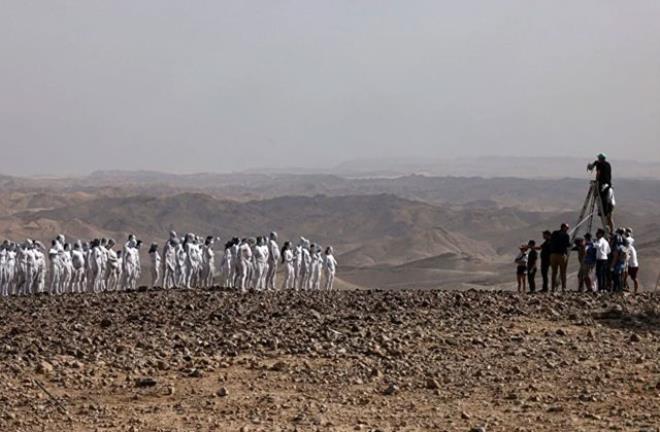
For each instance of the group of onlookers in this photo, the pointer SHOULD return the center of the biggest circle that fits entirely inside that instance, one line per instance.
(605, 264)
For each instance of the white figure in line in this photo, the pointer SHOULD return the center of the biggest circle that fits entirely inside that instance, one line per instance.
(316, 267)
(305, 264)
(170, 262)
(236, 262)
(78, 265)
(245, 259)
(227, 264)
(113, 267)
(208, 255)
(96, 265)
(41, 270)
(4, 282)
(289, 268)
(273, 261)
(261, 256)
(181, 265)
(330, 266)
(131, 263)
(56, 267)
(155, 264)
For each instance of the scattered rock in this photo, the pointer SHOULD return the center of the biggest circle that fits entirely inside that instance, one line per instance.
(145, 382)
(432, 384)
(44, 368)
(391, 389)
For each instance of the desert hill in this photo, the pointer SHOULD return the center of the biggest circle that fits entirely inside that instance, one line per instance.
(405, 231)
(365, 229)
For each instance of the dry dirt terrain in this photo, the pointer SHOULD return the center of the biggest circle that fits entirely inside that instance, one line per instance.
(342, 361)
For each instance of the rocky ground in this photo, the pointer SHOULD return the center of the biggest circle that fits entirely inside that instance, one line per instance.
(345, 361)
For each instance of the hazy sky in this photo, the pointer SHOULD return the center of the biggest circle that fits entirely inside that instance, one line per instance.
(214, 85)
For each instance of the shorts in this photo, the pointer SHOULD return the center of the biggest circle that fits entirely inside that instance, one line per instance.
(632, 272)
(586, 270)
(521, 270)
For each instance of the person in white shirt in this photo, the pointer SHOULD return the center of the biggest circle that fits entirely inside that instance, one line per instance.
(602, 252)
(633, 262)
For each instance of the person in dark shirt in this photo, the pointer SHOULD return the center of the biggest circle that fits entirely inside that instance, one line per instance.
(604, 180)
(603, 169)
(532, 258)
(560, 242)
(545, 259)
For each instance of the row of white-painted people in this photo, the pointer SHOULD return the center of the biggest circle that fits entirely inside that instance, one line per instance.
(249, 263)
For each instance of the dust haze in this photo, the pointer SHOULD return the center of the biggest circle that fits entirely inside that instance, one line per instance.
(225, 86)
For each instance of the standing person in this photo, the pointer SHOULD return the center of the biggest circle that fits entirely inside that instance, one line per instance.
(305, 265)
(181, 265)
(589, 262)
(604, 180)
(560, 241)
(78, 263)
(110, 263)
(633, 263)
(602, 251)
(56, 268)
(316, 264)
(545, 259)
(155, 264)
(261, 257)
(289, 270)
(297, 264)
(532, 259)
(580, 247)
(10, 274)
(4, 285)
(521, 268)
(227, 265)
(208, 260)
(169, 261)
(619, 262)
(330, 265)
(273, 260)
(245, 256)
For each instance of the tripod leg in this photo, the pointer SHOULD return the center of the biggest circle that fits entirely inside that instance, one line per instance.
(592, 207)
(585, 206)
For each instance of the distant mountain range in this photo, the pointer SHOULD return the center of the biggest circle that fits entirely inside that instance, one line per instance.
(413, 231)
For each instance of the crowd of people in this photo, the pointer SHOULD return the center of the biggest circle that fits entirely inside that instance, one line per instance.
(29, 268)
(605, 263)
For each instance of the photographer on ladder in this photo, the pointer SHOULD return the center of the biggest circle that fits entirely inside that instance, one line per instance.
(605, 192)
